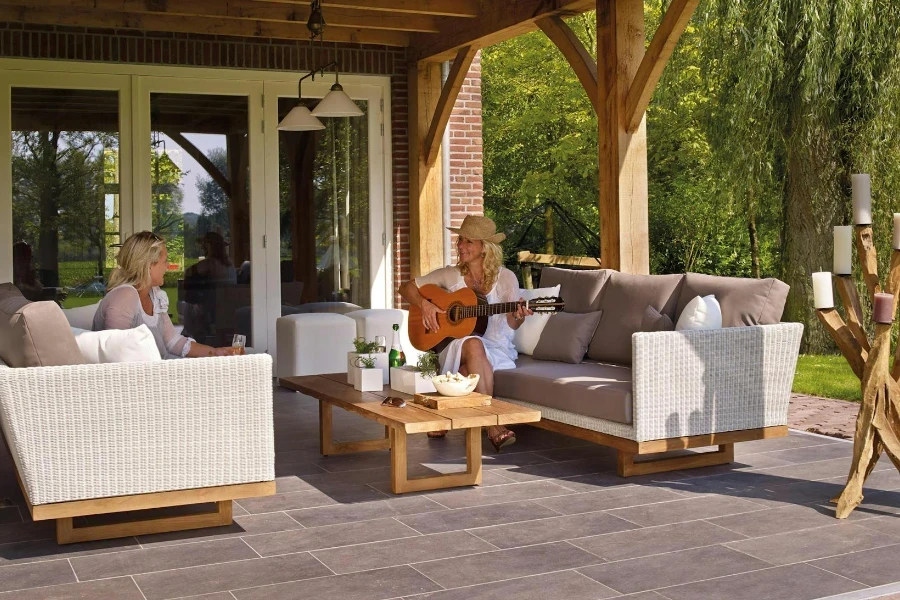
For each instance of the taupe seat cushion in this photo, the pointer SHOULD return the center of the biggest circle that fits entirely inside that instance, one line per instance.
(743, 301)
(34, 334)
(591, 389)
(581, 290)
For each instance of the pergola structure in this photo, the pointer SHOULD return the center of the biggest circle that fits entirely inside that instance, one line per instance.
(620, 83)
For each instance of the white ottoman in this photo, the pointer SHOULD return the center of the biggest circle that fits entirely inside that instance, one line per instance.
(313, 343)
(380, 321)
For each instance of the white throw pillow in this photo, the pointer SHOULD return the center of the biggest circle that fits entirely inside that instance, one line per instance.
(701, 313)
(117, 345)
(527, 335)
(81, 317)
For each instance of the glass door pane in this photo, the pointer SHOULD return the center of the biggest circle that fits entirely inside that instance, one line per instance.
(200, 203)
(324, 208)
(65, 192)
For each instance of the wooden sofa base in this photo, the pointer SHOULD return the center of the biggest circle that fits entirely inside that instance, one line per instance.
(627, 450)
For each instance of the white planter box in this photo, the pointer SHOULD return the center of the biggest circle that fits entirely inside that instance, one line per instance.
(368, 380)
(381, 362)
(407, 380)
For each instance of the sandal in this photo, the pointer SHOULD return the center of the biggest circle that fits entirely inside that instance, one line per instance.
(436, 434)
(507, 438)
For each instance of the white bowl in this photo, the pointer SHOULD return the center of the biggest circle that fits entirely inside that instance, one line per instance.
(448, 387)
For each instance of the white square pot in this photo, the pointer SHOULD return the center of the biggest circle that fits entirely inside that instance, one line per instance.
(407, 380)
(368, 380)
(381, 362)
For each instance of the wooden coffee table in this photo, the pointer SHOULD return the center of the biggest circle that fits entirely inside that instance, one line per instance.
(333, 390)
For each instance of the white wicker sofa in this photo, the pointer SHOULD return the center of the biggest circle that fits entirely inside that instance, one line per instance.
(655, 392)
(90, 439)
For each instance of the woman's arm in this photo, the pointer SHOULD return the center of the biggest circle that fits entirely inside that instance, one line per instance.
(511, 294)
(409, 291)
(180, 345)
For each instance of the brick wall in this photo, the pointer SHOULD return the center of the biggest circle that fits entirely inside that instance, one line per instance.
(179, 49)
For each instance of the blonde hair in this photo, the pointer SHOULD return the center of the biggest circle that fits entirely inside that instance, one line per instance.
(139, 252)
(493, 261)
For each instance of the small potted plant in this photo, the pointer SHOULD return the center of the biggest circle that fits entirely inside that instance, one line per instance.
(366, 349)
(367, 377)
(416, 379)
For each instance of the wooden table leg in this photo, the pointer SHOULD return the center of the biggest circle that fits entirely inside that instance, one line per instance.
(327, 445)
(401, 483)
(325, 423)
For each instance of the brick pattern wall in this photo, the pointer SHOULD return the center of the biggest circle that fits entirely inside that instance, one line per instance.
(180, 49)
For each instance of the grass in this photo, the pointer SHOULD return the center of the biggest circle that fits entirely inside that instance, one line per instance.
(826, 376)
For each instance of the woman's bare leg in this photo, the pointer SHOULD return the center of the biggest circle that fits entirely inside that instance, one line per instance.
(475, 360)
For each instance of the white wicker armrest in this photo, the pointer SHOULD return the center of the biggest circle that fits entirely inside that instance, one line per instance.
(94, 431)
(699, 382)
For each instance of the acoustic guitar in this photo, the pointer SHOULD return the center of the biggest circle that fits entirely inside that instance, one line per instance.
(466, 314)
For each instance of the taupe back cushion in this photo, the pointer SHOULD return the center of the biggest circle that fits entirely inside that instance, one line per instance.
(743, 301)
(625, 298)
(581, 290)
(34, 334)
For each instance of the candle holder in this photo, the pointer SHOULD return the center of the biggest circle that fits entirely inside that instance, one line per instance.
(878, 421)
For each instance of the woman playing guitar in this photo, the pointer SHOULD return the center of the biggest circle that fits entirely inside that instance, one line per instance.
(480, 267)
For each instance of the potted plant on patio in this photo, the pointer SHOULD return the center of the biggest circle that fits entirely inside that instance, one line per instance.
(416, 379)
(366, 376)
(366, 349)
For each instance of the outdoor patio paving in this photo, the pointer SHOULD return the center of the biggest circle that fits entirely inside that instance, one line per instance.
(551, 521)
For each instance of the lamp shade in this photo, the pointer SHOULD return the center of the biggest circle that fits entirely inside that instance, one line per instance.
(337, 103)
(300, 119)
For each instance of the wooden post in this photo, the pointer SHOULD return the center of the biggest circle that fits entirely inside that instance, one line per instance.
(624, 241)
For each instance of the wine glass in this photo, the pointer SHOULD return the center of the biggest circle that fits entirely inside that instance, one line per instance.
(238, 342)
(381, 342)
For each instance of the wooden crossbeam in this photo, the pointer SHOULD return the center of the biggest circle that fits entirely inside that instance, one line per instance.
(211, 169)
(443, 8)
(654, 62)
(576, 54)
(449, 92)
(204, 25)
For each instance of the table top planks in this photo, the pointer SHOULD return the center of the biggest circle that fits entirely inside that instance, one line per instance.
(413, 418)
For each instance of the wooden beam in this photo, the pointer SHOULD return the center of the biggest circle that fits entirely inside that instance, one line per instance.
(589, 262)
(499, 21)
(624, 243)
(441, 8)
(658, 53)
(208, 166)
(204, 25)
(576, 54)
(449, 93)
(425, 180)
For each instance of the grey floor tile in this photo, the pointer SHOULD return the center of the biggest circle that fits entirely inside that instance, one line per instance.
(511, 460)
(342, 494)
(608, 499)
(20, 577)
(364, 511)
(554, 529)
(121, 588)
(889, 524)
(595, 482)
(29, 530)
(689, 509)
(673, 568)
(368, 585)
(797, 582)
(598, 454)
(871, 567)
(131, 562)
(655, 540)
(479, 516)
(506, 564)
(229, 576)
(792, 440)
(643, 596)
(215, 596)
(562, 585)
(556, 470)
(48, 549)
(497, 494)
(784, 519)
(810, 454)
(400, 552)
(787, 548)
(331, 536)
(10, 514)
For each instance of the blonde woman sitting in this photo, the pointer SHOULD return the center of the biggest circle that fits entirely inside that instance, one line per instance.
(480, 267)
(134, 298)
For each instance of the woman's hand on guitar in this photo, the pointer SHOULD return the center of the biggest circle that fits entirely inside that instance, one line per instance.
(429, 315)
(522, 311)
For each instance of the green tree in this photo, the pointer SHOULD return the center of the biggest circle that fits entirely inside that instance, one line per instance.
(213, 199)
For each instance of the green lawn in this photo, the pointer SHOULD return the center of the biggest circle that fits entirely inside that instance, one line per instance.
(826, 376)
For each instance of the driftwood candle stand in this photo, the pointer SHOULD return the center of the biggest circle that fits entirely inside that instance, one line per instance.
(878, 422)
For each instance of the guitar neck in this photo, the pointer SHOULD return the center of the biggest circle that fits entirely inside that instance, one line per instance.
(486, 310)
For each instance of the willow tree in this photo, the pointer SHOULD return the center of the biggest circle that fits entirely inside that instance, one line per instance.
(809, 92)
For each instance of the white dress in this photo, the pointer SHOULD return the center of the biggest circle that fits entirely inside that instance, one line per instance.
(498, 339)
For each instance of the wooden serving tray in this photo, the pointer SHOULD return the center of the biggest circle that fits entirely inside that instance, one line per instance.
(437, 401)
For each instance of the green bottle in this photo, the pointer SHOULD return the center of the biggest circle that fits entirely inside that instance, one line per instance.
(396, 358)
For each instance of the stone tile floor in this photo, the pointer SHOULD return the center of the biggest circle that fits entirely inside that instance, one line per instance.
(551, 521)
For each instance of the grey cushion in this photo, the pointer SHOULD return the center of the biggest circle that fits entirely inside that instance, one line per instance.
(625, 297)
(581, 290)
(743, 301)
(34, 334)
(590, 389)
(656, 321)
(566, 337)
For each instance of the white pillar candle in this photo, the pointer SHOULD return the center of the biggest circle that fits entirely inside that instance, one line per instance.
(861, 184)
(843, 243)
(896, 231)
(822, 293)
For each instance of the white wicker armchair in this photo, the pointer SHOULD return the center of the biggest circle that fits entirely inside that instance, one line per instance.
(91, 439)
